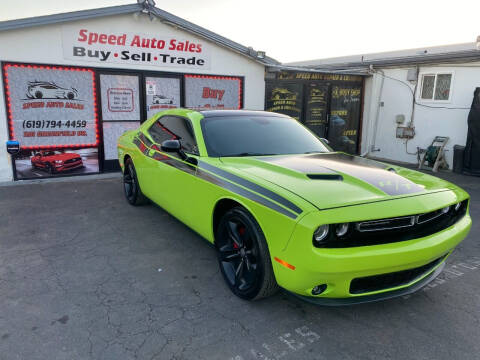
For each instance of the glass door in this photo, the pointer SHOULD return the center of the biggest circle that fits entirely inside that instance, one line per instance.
(344, 119)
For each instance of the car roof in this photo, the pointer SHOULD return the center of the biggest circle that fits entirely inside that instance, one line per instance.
(214, 113)
(200, 115)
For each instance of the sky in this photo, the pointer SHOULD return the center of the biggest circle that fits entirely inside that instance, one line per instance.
(305, 29)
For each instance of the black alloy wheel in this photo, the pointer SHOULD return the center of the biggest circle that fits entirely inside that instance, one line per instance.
(130, 185)
(243, 256)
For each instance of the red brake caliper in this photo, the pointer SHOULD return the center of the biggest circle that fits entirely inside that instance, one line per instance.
(241, 231)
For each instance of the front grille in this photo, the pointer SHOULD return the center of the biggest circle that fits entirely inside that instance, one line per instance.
(69, 161)
(385, 231)
(386, 224)
(386, 281)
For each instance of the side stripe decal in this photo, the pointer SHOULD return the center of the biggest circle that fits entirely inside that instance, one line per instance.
(244, 192)
(211, 175)
(252, 186)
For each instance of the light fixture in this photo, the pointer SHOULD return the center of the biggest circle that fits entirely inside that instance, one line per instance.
(261, 54)
(317, 290)
(321, 233)
(341, 229)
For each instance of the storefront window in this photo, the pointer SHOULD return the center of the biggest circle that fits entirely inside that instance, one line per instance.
(161, 93)
(52, 113)
(120, 95)
(328, 104)
(344, 119)
(213, 92)
(316, 109)
(285, 98)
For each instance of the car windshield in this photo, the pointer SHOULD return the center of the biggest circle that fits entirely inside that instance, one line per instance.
(255, 135)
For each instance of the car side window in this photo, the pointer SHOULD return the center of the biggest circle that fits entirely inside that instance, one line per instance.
(173, 127)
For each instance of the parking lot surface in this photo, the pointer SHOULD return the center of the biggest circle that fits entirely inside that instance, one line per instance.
(84, 275)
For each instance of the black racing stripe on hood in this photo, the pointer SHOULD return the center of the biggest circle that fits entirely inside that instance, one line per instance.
(300, 163)
(370, 171)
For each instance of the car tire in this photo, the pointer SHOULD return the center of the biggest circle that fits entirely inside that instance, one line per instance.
(243, 256)
(70, 96)
(131, 187)
(50, 169)
(38, 94)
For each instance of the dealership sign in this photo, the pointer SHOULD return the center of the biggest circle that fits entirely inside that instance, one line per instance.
(51, 106)
(82, 43)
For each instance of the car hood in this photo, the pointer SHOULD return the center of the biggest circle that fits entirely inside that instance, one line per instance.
(331, 180)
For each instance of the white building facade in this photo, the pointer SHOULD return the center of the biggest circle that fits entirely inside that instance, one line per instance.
(419, 93)
(430, 117)
(105, 71)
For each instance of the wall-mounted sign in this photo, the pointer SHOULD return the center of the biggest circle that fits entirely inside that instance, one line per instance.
(316, 112)
(120, 100)
(51, 106)
(161, 94)
(284, 98)
(288, 75)
(213, 92)
(13, 147)
(34, 164)
(120, 97)
(88, 44)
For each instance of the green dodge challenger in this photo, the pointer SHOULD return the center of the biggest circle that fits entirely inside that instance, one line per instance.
(284, 210)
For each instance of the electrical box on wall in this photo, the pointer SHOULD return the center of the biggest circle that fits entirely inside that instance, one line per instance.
(400, 119)
(405, 132)
(412, 74)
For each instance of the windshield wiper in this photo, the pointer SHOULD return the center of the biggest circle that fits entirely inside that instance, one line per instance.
(247, 154)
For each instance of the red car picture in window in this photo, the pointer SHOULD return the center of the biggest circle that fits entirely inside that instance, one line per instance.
(56, 161)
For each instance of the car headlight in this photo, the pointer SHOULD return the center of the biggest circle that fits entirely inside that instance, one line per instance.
(329, 232)
(321, 234)
(341, 229)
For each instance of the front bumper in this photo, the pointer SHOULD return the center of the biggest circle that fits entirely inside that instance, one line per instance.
(338, 267)
(410, 289)
(69, 166)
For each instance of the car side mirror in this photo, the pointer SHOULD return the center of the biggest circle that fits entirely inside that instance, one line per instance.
(325, 140)
(173, 146)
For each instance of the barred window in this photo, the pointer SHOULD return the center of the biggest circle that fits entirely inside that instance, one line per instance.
(436, 86)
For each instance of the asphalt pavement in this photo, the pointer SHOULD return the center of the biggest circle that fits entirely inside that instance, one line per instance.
(84, 275)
